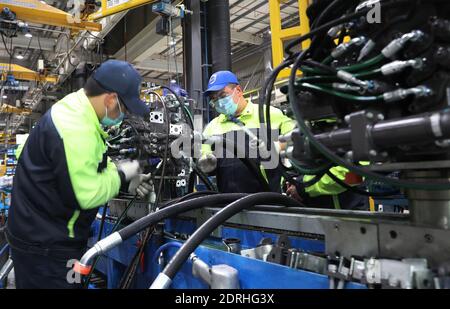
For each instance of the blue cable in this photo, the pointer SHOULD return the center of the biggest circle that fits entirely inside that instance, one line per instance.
(164, 247)
(4, 249)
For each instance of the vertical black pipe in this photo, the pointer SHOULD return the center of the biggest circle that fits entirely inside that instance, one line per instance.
(192, 56)
(219, 34)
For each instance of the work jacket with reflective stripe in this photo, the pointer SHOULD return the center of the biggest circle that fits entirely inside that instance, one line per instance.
(233, 175)
(62, 176)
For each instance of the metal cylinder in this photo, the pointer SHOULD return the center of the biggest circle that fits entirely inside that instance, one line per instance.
(219, 34)
(429, 208)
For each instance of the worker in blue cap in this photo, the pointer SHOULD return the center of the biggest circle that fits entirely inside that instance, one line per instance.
(63, 175)
(236, 114)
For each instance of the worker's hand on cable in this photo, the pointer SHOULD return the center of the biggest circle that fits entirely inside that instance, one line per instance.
(207, 163)
(129, 168)
(291, 191)
(142, 185)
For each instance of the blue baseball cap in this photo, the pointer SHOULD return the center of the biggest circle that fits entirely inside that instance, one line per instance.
(122, 78)
(220, 80)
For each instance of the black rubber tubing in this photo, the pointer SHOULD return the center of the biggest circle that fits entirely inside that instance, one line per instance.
(176, 209)
(266, 198)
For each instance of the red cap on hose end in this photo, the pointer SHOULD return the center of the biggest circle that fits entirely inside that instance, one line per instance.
(82, 269)
(353, 179)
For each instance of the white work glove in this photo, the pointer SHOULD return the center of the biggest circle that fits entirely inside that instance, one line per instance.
(141, 185)
(207, 163)
(129, 168)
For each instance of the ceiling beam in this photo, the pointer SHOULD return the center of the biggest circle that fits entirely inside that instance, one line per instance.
(148, 43)
(245, 37)
(159, 64)
(47, 44)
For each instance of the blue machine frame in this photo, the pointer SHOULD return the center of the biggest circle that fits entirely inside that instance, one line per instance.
(253, 273)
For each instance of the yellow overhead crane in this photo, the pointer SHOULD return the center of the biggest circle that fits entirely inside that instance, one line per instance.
(9, 109)
(111, 7)
(34, 11)
(22, 73)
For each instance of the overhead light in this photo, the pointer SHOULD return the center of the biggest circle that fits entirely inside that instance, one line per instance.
(20, 56)
(28, 35)
(5, 97)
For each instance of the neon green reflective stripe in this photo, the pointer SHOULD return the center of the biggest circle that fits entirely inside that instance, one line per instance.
(326, 185)
(263, 173)
(336, 203)
(71, 223)
(18, 151)
(79, 128)
(249, 116)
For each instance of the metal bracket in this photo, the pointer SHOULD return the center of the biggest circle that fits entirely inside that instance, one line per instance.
(363, 147)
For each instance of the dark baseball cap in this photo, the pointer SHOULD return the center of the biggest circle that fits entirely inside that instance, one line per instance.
(122, 78)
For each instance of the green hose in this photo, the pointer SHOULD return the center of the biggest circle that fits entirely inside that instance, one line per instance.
(330, 78)
(346, 96)
(340, 161)
(310, 171)
(352, 68)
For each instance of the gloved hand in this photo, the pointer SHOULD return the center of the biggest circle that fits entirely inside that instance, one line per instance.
(129, 168)
(207, 163)
(141, 185)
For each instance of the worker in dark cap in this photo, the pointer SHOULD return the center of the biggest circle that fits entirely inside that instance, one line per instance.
(63, 175)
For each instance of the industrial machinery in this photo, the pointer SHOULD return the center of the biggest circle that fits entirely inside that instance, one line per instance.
(373, 97)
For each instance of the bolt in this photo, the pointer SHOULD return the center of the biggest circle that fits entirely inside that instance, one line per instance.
(373, 153)
(369, 115)
(384, 154)
(380, 117)
(347, 119)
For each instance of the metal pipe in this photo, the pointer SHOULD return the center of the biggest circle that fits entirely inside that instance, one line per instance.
(219, 34)
(385, 134)
(6, 269)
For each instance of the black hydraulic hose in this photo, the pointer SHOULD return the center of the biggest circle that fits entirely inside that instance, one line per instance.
(344, 19)
(130, 272)
(166, 148)
(187, 116)
(188, 197)
(266, 97)
(219, 218)
(102, 223)
(176, 209)
(321, 66)
(116, 225)
(204, 179)
(191, 182)
(330, 155)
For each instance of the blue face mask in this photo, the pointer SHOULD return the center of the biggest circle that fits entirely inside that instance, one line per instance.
(226, 106)
(109, 122)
